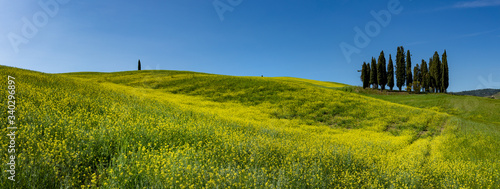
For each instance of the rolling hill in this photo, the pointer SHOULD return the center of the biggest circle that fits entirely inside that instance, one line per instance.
(480, 92)
(162, 129)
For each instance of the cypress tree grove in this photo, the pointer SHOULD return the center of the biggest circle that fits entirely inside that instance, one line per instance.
(390, 73)
(373, 74)
(445, 78)
(432, 76)
(400, 68)
(409, 77)
(381, 71)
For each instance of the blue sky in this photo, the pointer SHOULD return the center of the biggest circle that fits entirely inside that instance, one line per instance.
(251, 37)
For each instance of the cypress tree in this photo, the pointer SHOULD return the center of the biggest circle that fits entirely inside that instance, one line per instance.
(439, 74)
(436, 72)
(381, 71)
(362, 72)
(364, 75)
(139, 65)
(367, 76)
(400, 68)
(390, 73)
(417, 81)
(432, 80)
(366, 79)
(445, 78)
(368, 73)
(425, 76)
(403, 64)
(373, 74)
(409, 77)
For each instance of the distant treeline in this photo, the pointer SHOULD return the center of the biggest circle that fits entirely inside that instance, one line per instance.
(432, 78)
(480, 92)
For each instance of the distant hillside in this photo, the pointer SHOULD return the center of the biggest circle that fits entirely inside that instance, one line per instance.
(480, 92)
(497, 96)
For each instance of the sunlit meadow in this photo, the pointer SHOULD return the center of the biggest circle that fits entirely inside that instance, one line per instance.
(171, 129)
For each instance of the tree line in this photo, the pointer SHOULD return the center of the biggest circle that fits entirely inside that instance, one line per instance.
(432, 78)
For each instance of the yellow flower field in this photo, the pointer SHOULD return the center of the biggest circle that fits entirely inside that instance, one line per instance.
(169, 129)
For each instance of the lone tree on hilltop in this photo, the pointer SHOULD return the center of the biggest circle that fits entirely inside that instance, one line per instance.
(381, 71)
(139, 65)
(390, 73)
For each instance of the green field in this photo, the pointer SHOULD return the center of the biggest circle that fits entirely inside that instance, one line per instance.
(177, 129)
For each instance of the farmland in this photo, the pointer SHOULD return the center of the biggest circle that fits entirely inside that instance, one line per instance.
(176, 129)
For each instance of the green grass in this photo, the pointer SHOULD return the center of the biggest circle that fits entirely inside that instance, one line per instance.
(309, 102)
(479, 109)
(177, 129)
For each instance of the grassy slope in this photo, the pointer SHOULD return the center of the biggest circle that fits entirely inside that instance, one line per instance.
(287, 98)
(473, 108)
(163, 128)
(452, 105)
(473, 128)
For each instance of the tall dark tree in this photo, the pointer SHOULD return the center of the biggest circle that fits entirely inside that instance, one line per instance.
(139, 65)
(368, 73)
(427, 80)
(417, 79)
(390, 73)
(400, 68)
(435, 72)
(365, 75)
(432, 80)
(409, 76)
(445, 79)
(362, 71)
(381, 71)
(425, 76)
(373, 74)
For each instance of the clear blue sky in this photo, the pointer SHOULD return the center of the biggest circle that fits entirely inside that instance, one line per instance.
(250, 37)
